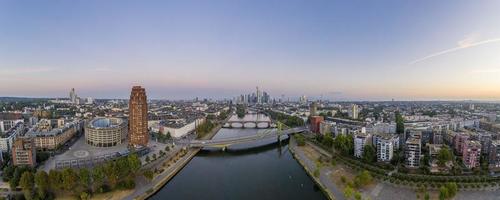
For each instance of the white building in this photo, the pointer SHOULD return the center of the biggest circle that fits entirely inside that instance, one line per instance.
(386, 144)
(360, 141)
(354, 112)
(180, 129)
(413, 150)
(8, 138)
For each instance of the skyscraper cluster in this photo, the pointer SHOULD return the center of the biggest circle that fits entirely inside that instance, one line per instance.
(75, 99)
(258, 97)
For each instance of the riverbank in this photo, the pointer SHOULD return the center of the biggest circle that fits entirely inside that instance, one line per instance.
(149, 188)
(308, 166)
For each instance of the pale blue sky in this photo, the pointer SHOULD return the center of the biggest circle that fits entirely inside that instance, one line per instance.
(373, 50)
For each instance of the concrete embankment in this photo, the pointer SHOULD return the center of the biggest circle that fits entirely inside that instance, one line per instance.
(293, 148)
(169, 174)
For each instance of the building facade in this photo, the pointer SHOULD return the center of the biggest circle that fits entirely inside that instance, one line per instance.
(7, 138)
(360, 141)
(138, 117)
(315, 123)
(494, 155)
(24, 152)
(471, 154)
(47, 138)
(386, 144)
(106, 132)
(413, 152)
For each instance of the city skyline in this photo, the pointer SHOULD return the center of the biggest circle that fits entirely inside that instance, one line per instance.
(422, 50)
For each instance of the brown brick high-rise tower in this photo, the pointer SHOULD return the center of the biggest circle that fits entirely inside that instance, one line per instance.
(138, 117)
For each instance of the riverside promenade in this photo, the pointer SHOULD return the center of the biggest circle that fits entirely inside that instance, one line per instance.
(323, 181)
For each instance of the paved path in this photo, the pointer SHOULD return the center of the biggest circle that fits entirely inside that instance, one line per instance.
(325, 172)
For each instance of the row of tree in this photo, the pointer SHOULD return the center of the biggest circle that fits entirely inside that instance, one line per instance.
(118, 174)
(288, 120)
(204, 128)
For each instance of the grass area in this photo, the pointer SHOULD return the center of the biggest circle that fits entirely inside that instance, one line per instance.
(114, 195)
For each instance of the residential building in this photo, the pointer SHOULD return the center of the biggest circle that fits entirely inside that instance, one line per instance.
(24, 152)
(494, 155)
(138, 117)
(46, 137)
(413, 149)
(9, 120)
(471, 154)
(360, 141)
(325, 128)
(459, 141)
(386, 144)
(7, 138)
(315, 123)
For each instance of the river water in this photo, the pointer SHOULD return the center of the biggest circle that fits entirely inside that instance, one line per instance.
(259, 170)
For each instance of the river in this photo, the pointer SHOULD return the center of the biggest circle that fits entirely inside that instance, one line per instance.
(261, 170)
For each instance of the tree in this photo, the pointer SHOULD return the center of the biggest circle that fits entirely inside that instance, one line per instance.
(85, 178)
(84, 196)
(167, 148)
(240, 110)
(147, 159)
(348, 192)
(400, 126)
(369, 154)
(69, 179)
(134, 163)
(357, 196)
(55, 179)
(149, 174)
(27, 183)
(98, 177)
(327, 141)
(42, 183)
(362, 179)
(444, 155)
(443, 193)
(452, 189)
(344, 143)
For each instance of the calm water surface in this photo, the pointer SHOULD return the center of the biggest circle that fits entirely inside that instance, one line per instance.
(261, 170)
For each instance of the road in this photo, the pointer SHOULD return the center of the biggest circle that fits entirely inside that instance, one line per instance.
(243, 139)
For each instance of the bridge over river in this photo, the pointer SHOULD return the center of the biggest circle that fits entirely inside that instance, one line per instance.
(225, 142)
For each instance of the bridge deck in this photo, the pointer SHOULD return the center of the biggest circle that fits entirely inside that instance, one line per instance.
(244, 139)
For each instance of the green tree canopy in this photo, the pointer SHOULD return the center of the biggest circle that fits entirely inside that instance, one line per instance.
(444, 155)
(42, 183)
(369, 154)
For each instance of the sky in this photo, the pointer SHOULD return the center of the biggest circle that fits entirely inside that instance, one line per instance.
(338, 50)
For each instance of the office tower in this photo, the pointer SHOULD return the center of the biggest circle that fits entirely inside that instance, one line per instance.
(313, 109)
(72, 95)
(354, 111)
(138, 117)
(259, 96)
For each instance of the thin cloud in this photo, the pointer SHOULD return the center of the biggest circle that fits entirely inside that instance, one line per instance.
(21, 71)
(464, 44)
(497, 70)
